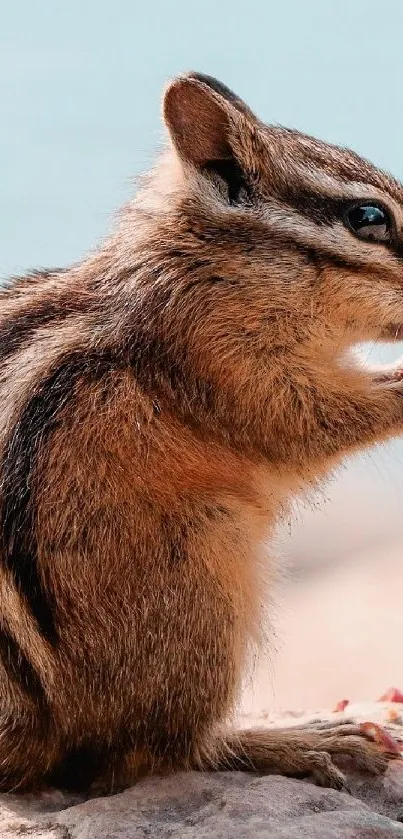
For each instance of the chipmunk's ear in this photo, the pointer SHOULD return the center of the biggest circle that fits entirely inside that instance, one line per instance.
(201, 115)
(225, 92)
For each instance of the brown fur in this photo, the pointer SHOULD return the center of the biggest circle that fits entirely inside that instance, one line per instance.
(161, 404)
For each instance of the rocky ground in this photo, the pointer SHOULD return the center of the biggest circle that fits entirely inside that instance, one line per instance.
(223, 805)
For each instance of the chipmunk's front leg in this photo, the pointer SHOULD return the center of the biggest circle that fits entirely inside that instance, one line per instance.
(341, 422)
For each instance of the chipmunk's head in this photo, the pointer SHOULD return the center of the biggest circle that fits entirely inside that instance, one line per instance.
(311, 233)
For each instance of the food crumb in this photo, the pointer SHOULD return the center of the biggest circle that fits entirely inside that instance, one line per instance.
(392, 695)
(341, 705)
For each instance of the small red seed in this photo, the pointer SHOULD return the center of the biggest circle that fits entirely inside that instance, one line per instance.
(391, 695)
(341, 705)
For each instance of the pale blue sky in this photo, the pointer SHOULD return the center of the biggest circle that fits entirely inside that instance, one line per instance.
(80, 87)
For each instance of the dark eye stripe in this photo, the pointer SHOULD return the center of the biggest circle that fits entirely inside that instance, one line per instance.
(325, 210)
(320, 209)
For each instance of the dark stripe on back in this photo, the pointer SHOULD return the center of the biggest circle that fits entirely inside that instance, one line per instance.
(30, 278)
(160, 373)
(19, 670)
(17, 329)
(37, 421)
(51, 307)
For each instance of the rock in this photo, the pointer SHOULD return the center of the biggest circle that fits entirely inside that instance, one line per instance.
(219, 805)
(226, 806)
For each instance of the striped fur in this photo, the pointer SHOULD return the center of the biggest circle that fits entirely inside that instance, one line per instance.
(35, 424)
(160, 405)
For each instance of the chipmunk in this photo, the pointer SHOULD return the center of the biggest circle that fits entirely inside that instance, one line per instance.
(162, 402)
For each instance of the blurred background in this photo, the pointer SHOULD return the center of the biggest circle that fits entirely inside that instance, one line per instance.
(80, 89)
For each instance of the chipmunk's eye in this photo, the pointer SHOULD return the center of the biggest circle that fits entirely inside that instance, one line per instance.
(369, 221)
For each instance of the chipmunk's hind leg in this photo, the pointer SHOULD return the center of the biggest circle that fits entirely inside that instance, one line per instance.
(299, 752)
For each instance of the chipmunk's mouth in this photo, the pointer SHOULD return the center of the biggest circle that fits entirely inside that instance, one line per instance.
(382, 377)
(390, 372)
